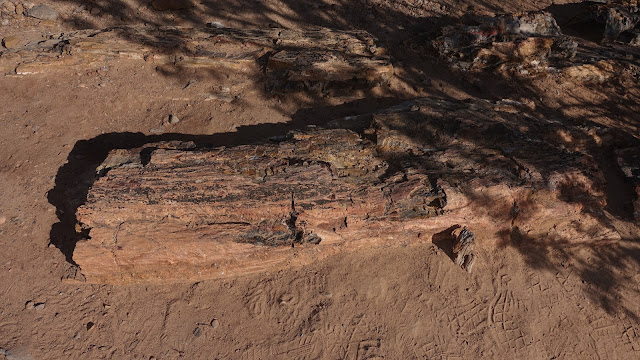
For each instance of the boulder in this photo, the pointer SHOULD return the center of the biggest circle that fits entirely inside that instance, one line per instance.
(42, 12)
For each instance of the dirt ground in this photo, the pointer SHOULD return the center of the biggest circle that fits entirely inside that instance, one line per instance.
(545, 301)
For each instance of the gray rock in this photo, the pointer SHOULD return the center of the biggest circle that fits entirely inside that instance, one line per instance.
(42, 12)
(173, 119)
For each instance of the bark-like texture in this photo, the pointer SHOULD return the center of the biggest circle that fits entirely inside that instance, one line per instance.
(287, 58)
(393, 178)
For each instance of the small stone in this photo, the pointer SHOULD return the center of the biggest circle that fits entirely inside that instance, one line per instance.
(197, 331)
(95, 10)
(39, 306)
(215, 24)
(215, 323)
(7, 7)
(42, 12)
(19, 9)
(3, 220)
(173, 119)
(90, 325)
(10, 42)
(4, 22)
(162, 5)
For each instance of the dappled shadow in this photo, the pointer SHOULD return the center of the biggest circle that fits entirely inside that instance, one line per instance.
(571, 122)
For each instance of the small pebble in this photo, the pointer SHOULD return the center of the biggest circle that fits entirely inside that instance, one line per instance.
(173, 119)
(3, 220)
(215, 24)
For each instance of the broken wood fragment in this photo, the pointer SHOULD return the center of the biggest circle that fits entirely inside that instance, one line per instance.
(463, 249)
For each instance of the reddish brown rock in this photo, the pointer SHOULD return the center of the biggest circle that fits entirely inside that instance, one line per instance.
(283, 58)
(392, 178)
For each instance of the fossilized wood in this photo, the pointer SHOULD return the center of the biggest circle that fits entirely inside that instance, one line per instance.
(629, 162)
(165, 213)
(463, 249)
(283, 56)
(527, 39)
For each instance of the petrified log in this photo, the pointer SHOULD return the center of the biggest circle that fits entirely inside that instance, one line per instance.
(526, 40)
(392, 178)
(285, 57)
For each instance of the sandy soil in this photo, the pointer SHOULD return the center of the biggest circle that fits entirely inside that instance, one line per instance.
(534, 302)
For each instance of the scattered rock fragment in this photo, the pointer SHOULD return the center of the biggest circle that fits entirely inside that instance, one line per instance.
(173, 119)
(463, 247)
(619, 16)
(42, 12)
(629, 162)
(10, 42)
(527, 39)
(7, 7)
(31, 305)
(215, 24)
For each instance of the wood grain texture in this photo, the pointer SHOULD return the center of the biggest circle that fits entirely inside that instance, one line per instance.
(283, 57)
(166, 213)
